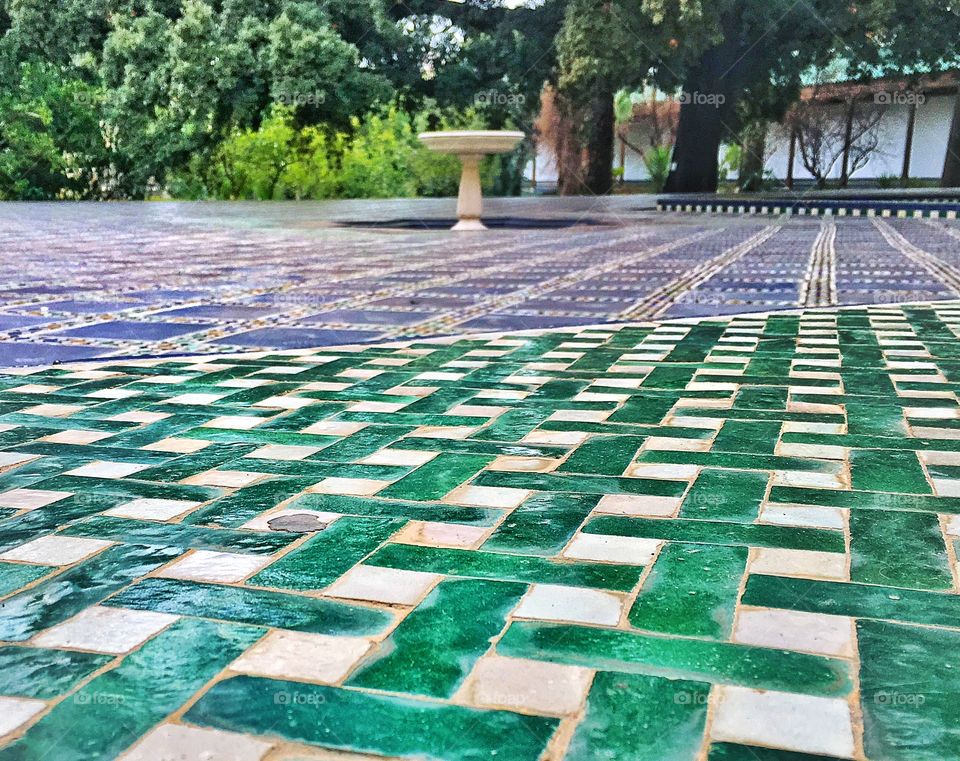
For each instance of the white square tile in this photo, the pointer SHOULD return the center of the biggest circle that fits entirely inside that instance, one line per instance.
(283, 452)
(429, 534)
(384, 407)
(552, 602)
(361, 487)
(229, 479)
(195, 399)
(114, 393)
(444, 431)
(152, 509)
(775, 561)
(638, 504)
(235, 422)
(31, 499)
(303, 657)
(176, 742)
(105, 630)
(334, 428)
(52, 410)
(662, 470)
(15, 712)
(139, 416)
(487, 496)
(389, 585)
(285, 402)
(207, 565)
(399, 457)
(795, 630)
(526, 685)
(560, 438)
(106, 469)
(177, 446)
(524, 464)
(804, 723)
(79, 437)
(15, 458)
(803, 516)
(55, 550)
(612, 549)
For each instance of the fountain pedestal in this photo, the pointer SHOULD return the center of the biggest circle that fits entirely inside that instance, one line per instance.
(470, 147)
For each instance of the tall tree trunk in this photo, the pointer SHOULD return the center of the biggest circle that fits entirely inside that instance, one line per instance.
(951, 163)
(847, 144)
(598, 175)
(706, 113)
(752, 157)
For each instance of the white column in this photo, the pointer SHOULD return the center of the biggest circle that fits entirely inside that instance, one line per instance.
(470, 198)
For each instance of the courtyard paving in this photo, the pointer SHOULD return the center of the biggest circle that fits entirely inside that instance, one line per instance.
(79, 281)
(730, 538)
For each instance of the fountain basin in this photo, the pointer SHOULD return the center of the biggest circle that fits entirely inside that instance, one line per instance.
(471, 146)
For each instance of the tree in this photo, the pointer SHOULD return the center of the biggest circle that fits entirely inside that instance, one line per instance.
(847, 133)
(735, 56)
(599, 52)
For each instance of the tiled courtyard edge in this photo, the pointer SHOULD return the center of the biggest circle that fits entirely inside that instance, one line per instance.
(730, 538)
(122, 280)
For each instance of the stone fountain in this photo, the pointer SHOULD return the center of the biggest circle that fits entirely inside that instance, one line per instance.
(471, 146)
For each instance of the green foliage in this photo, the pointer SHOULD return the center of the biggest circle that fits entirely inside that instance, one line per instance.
(730, 161)
(657, 162)
(51, 145)
(379, 157)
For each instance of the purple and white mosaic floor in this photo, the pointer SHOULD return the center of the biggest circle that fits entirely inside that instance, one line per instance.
(85, 281)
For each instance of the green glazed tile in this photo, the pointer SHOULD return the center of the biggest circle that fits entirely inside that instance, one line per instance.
(642, 718)
(909, 691)
(130, 531)
(740, 461)
(581, 484)
(434, 647)
(251, 606)
(112, 711)
(207, 458)
(748, 437)
(691, 590)
(863, 500)
(850, 599)
(899, 549)
(433, 480)
(504, 567)
(364, 722)
(34, 672)
(129, 488)
(246, 504)
(677, 658)
(603, 455)
(327, 555)
(734, 752)
(542, 524)
(13, 576)
(720, 533)
(725, 495)
(375, 507)
(86, 584)
(887, 470)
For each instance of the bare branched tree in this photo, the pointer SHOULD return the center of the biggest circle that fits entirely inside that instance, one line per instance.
(827, 134)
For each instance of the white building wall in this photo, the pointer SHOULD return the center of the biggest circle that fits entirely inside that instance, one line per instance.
(930, 133)
(931, 130)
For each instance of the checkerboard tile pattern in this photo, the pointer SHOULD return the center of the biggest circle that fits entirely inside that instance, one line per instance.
(724, 538)
(102, 281)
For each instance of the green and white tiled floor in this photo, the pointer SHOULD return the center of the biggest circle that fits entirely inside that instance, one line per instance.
(724, 540)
